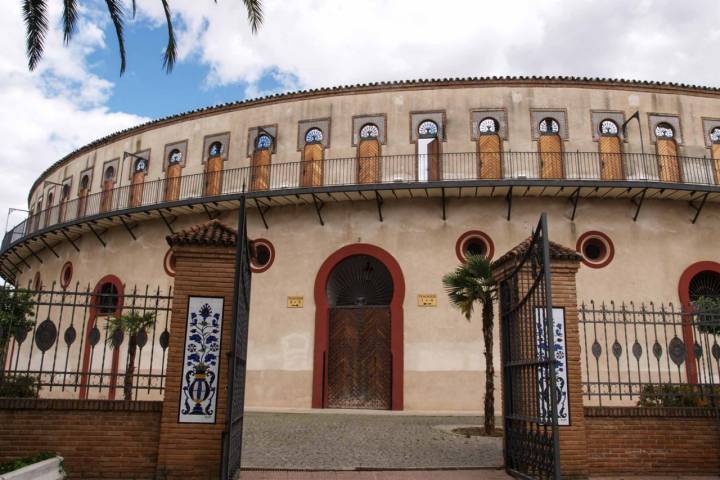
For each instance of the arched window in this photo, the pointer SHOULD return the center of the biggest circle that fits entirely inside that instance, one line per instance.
(428, 148)
(216, 149)
(262, 158)
(110, 173)
(312, 159)
(85, 182)
(550, 149)
(489, 145)
(715, 149)
(369, 154)
(108, 299)
(48, 208)
(611, 165)
(140, 165)
(106, 196)
(667, 151)
(213, 169)
(82, 195)
(138, 181)
(64, 197)
(172, 175)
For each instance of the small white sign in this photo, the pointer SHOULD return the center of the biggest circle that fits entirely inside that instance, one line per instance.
(201, 359)
(561, 388)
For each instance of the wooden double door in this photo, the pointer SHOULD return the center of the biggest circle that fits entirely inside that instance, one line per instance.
(359, 365)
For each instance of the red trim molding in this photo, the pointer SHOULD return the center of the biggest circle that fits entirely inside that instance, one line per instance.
(254, 244)
(91, 323)
(169, 262)
(65, 277)
(322, 315)
(490, 246)
(684, 294)
(610, 247)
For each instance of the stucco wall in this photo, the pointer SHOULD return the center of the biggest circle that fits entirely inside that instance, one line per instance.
(444, 366)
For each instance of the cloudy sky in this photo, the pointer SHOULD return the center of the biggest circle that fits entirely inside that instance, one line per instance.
(77, 95)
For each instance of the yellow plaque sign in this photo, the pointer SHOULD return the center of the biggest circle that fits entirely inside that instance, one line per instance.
(427, 300)
(295, 302)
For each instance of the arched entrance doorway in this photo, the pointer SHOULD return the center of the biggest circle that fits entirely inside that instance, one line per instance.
(358, 361)
(701, 279)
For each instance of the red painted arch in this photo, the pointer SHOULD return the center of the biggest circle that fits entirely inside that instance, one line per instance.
(684, 294)
(91, 323)
(322, 315)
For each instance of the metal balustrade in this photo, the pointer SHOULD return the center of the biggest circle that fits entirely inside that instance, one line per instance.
(388, 169)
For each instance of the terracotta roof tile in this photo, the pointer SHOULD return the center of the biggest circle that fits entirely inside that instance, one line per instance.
(213, 233)
(557, 252)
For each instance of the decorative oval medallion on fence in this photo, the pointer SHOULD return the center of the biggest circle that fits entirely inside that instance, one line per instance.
(45, 335)
(70, 335)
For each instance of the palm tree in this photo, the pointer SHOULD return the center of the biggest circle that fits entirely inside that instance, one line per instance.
(132, 324)
(36, 26)
(473, 282)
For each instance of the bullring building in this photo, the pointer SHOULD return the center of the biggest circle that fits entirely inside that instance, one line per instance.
(388, 185)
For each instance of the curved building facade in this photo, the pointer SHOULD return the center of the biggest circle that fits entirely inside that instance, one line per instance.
(392, 185)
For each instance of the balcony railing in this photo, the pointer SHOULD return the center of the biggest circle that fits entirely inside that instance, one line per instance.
(391, 169)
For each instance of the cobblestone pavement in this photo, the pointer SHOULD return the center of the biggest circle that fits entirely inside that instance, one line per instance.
(349, 441)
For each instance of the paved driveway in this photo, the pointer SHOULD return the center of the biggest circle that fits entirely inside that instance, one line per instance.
(348, 441)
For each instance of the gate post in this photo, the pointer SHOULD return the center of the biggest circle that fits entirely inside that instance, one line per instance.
(573, 448)
(564, 265)
(204, 258)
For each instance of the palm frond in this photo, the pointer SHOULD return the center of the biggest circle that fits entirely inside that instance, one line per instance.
(116, 15)
(134, 7)
(36, 25)
(255, 14)
(469, 283)
(70, 16)
(171, 49)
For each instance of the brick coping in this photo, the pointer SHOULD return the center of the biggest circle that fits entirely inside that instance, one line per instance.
(75, 404)
(657, 412)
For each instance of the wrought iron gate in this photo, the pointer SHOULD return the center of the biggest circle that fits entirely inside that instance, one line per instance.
(232, 436)
(529, 405)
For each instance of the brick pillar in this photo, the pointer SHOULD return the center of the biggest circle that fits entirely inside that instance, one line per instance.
(573, 448)
(192, 450)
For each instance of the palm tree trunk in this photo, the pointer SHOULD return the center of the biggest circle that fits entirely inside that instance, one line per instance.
(487, 327)
(130, 368)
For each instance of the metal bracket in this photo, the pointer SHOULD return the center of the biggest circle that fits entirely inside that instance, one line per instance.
(442, 194)
(262, 209)
(508, 199)
(42, 239)
(14, 265)
(102, 242)
(380, 201)
(128, 228)
(67, 237)
(574, 199)
(212, 214)
(319, 204)
(167, 224)
(33, 253)
(698, 208)
(21, 259)
(637, 203)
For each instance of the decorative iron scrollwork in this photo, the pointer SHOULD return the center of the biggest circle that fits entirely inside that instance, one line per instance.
(164, 339)
(70, 335)
(45, 335)
(596, 349)
(94, 336)
(617, 349)
(141, 338)
(677, 351)
(637, 350)
(657, 350)
(117, 337)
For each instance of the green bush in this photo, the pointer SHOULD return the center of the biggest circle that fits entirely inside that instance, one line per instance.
(667, 395)
(708, 314)
(19, 386)
(24, 462)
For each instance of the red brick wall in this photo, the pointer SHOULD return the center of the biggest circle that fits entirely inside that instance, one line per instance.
(652, 441)
(97, 438)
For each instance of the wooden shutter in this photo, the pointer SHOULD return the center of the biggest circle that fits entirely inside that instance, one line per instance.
(611, 167)
(172, 182)
(136, 190)
(369, 161)
(434, 165)
(716, 158)
(213, 176)
(82, 202)
(667, 160)
(550, 147)
(490, 156)
(106, 196)
(312, 166)
(261, 170)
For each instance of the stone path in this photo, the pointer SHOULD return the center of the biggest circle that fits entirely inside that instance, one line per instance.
(387, 475)
(347, 441)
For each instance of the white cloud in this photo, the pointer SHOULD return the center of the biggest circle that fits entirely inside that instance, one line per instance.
(326, 42)
(46, 114)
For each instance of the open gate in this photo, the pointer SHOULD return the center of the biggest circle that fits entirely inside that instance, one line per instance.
(232, 435)
(529, 405)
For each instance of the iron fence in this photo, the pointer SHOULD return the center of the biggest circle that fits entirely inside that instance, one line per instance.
(388, 169)
(650, 355)
(83, 343)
